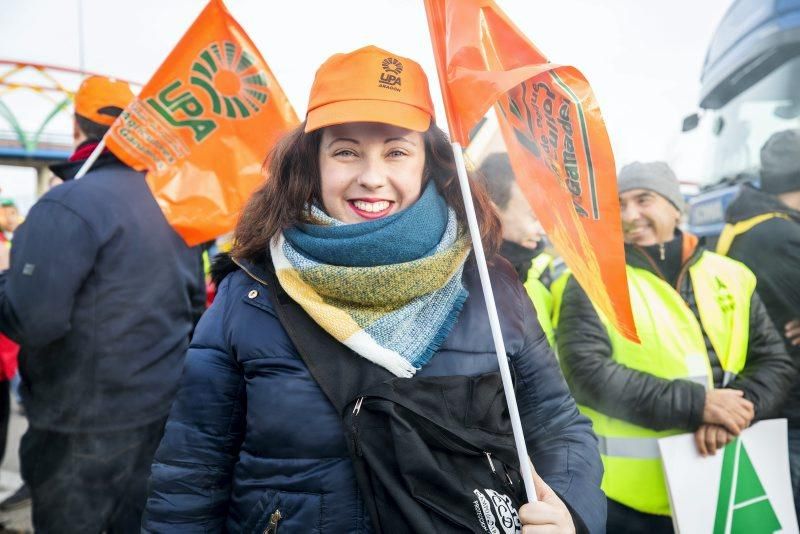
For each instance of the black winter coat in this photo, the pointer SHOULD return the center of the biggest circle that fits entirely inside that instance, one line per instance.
(251, 432)
(596, 380)
(771, 250)
(101, 296)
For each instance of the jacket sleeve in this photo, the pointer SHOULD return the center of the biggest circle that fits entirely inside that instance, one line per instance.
(192, 469)
(561, 443)
(769, 371)
(53, 254)
(599, 382)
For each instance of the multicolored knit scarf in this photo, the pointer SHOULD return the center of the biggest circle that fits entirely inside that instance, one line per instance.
(388, 289)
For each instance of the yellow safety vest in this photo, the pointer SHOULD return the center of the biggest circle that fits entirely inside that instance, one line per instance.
(206, 263)
(542, 303)
(730, 231)
(557, 291)
(540, 264)
(673, 348)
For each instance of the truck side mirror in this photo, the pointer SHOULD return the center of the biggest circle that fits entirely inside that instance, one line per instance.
(690, 122)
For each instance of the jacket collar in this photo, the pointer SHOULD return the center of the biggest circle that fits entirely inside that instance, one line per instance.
(223, 264)
(69, 169)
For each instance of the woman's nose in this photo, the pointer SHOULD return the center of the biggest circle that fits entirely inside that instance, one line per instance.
(373, 174)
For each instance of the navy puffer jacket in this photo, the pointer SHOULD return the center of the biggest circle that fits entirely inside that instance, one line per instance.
(251, 432)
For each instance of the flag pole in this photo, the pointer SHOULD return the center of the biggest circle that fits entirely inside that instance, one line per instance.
(494, 323)
(92, 158)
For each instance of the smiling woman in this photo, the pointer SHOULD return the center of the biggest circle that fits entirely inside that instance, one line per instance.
(370, 170)
(345, 379)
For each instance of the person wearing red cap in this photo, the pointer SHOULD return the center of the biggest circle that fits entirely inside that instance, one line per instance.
(352, 271)
(101, 294)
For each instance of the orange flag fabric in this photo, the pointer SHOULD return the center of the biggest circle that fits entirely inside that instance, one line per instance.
(554, 133)
(203, 125)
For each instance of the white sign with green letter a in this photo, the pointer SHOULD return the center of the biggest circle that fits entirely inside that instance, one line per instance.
(744, 488)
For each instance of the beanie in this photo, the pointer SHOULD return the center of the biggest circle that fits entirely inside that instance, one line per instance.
(780, 163)
(654, 176)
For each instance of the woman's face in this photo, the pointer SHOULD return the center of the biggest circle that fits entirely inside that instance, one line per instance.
(369, 170)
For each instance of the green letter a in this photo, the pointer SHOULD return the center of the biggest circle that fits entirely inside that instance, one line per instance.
(743, 506)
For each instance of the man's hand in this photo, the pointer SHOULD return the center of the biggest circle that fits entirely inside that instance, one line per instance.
(709, 438)
(729, 409)
(549, 515)
(792, 332)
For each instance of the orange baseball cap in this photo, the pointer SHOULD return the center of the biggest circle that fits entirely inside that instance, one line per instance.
(370, 85)
(98, 93)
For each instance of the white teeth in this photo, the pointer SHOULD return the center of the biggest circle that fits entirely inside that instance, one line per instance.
(372, 207)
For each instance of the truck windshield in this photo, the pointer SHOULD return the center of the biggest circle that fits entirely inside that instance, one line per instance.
(741, 127)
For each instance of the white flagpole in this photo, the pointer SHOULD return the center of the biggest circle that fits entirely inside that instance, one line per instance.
(92, 158)
(494, 323)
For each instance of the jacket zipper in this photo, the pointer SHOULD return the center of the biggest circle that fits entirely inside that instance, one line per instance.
(491, 463)
(660, 274)
(251, 275)
(507, 480)
(649, 260)
(354, 426)
(272, 526)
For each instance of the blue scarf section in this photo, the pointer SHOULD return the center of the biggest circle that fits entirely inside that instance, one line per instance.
(407, 235)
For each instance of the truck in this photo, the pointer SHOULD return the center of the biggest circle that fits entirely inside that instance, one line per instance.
(750, 89)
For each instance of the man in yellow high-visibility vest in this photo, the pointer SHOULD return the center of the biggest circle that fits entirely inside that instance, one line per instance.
(710, 361)
(523, 235)
(763, 232)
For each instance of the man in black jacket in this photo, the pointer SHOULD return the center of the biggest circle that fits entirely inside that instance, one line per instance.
(763, 232)
(101, 295)
(710, 361)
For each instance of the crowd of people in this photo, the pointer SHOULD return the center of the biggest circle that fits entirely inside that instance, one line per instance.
(344, 378)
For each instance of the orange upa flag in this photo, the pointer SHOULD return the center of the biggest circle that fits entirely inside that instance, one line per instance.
(554, 133)
(203, 125)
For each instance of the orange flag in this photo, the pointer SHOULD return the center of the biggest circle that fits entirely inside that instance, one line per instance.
(554, 133)
(203, 125)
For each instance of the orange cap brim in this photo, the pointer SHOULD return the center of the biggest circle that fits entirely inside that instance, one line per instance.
(384, 111)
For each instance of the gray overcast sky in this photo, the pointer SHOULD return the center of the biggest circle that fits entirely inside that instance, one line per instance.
(642, 57)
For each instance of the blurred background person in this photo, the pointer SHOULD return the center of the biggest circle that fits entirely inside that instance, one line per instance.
(100, 296)
(12, 217)
(763, 232)
(524, 239)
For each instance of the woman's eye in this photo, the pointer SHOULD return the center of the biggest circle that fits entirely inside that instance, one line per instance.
(396, 154)
(347, 153)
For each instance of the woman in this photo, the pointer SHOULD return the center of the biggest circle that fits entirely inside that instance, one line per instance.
(363, 207)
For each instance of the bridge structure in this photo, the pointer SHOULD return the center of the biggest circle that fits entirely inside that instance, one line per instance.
(36, 115)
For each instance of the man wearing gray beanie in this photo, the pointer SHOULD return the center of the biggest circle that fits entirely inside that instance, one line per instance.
(763, 232)
(687, 303)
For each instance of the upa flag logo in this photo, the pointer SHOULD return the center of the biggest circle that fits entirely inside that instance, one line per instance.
(743, 489)
(233, 85)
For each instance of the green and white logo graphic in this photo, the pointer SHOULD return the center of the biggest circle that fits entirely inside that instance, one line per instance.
(743, 506)
(226, 75)
(235, 84)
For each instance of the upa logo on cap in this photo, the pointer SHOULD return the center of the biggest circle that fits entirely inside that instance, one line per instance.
(391, 74)
(224, 74)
